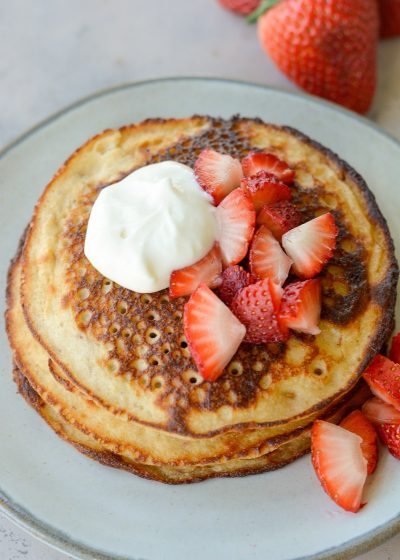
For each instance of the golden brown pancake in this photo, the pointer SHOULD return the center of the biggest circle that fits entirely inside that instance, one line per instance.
(133, 440)
(114, 365)
(288, 451)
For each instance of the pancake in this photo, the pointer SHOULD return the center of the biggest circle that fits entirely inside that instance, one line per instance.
(110, 370)
(134, 441)
(127, 352)
(290, 449)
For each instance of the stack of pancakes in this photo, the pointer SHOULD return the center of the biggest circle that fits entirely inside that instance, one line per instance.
(110, 369)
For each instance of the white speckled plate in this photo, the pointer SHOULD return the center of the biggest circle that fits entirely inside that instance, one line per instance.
(89, 510)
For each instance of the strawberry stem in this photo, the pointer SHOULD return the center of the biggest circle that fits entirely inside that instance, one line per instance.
(263, 7)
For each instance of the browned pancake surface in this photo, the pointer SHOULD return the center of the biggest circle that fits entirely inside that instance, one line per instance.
(113, 310)
(143, 333)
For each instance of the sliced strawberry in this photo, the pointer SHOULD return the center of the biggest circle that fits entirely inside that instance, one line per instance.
(206, 271)
(394, 353)
(267, 260)
(390, 436)
(255, 307)
(262, 161)
(311, 245)
(265, 188)
(276, 294)
(218, 174)
(339, 463)
(359, 424)
(212, 331)
(279, 217)
(236, 219)
(301, 306)
(234, 278)
(379, 412)
(383, 378)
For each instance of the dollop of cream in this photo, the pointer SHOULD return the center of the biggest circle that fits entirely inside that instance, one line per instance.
(156, 220)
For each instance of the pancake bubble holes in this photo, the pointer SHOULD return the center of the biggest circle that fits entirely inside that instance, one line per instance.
(235, 368)
(184, 347)
(319, 367)
(157, 383)
(154, 360)
(152, 336)
(106, 286)
(192, 377)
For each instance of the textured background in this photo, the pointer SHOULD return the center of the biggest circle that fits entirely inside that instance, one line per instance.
(54, 52)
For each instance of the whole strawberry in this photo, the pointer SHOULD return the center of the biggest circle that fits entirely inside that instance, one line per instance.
(327, 47)
(390, 17)
(241, 7)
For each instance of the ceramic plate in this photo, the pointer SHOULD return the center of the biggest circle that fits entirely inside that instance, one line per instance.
(89, 510)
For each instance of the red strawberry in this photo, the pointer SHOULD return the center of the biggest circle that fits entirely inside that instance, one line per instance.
(339, 463)
(311, 245)
(236, 219)
(327, 47)
(276, 295)
(394, 353)
(390, 436)
(265, 188)
(279, 217)
(383, 378)
(379, 412)
(206, 271)
(212, 331)
(262, 161)
(255, 307)
(390, 17)
(357, 423)
(301, 306)
(218, 174)
(234, 278)
(267, 260)
(241, 7)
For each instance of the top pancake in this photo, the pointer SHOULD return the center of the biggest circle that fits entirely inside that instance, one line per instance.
(127, 351)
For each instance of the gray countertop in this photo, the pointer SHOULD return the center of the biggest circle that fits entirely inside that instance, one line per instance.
(57, 51)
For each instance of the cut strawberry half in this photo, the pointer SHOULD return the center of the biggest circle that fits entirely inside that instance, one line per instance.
(279, 217)
(267, 259)
(218, 174)
(394, 353)
(276, 292)
(265, 188)
(379, 412)
(255, 307)
(359, 424)
(383, 378)
(236, 219)
(311, 245)
(212, 331)
(390, 436)
(234, 278)
(206, 271)
(276, 295)
(262, 161)
(339, 463)
(301, 306)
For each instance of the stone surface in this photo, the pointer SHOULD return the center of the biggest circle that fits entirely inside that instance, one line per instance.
(57, 51)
